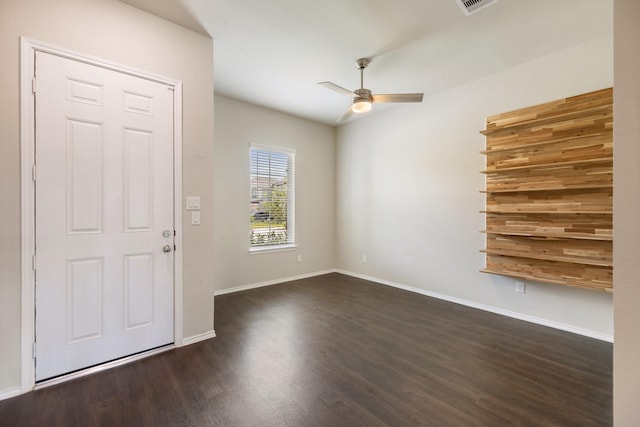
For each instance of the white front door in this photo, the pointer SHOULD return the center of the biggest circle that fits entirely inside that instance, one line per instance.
(104, 215)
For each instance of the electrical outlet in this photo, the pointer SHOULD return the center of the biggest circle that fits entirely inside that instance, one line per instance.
(299, 258)
(364, 258)
(519, 286)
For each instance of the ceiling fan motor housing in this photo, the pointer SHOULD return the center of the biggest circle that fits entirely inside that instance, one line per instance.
(362, 63)
(362, 95)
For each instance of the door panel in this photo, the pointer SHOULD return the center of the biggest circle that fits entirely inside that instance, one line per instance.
(84, 299)
(138, 290)
(104, 196)
(84, 177)
(138, 180)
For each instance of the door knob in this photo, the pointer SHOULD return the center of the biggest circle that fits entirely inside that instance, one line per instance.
(166, 248)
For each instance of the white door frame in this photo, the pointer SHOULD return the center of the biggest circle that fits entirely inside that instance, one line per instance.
(28, 48)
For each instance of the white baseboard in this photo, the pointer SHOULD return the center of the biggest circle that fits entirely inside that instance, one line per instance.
(271, 282)
(197, 338)
(10, 392)
(496, 310)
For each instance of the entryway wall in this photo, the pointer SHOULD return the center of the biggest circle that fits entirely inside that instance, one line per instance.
(116, 32)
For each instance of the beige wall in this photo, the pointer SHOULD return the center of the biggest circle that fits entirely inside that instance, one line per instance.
(237, 124)
(626, 211)
(116, 32)
(409, 186)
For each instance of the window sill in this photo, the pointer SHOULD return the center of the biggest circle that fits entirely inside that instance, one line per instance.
(270, 249)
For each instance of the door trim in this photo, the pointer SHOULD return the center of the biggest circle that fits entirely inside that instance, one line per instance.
(28, 48)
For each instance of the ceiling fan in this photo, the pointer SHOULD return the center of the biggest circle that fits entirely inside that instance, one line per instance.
(363, 98)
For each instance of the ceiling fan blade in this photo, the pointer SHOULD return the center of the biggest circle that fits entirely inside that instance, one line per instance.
(398, 97)
(337, 88)
(346, 115)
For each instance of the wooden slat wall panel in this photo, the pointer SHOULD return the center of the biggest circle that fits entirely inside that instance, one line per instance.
(549, 185)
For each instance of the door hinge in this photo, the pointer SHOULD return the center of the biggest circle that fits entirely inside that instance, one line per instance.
(33, 85)
(33, 350)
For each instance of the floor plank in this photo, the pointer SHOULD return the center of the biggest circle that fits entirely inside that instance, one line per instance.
(335, 350)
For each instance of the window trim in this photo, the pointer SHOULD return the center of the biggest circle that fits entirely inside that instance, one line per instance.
(286, 247)
(291, 244)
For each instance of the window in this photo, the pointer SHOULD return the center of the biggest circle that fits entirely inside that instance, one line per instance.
(271, 200)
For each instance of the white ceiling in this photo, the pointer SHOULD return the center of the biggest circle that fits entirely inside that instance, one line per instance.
(273, 52)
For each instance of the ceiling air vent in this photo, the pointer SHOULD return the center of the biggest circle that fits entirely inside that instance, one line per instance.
(471, 6)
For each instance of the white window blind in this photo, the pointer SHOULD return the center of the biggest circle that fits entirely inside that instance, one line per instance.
(271, 197)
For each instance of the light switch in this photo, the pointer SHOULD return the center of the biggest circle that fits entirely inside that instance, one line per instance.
(193, 203)
(195, 218)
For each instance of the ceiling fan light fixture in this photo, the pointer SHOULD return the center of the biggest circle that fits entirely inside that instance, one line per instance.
(361, 106)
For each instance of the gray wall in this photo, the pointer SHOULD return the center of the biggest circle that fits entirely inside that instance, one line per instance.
(237, 125)
(119, 33)
(626, 208)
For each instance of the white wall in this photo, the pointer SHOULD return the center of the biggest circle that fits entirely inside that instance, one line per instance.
(408, 183)
(626, 206)
(237, 124)
(114, 31)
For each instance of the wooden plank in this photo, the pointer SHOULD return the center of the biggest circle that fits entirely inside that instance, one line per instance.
(549, 188)
(569, 177)
(573, 226)
(597, 200)
(580, 275)
(582, 105)
(525, 164)
(534, 122)
(551, 279)
(580, 150)
(576, 251)
(549, 136)
(578, 236)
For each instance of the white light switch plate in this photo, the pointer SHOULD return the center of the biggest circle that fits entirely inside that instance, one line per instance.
(195, 218)
(193, 203)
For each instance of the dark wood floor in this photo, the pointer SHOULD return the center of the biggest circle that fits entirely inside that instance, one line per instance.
(339, 351)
